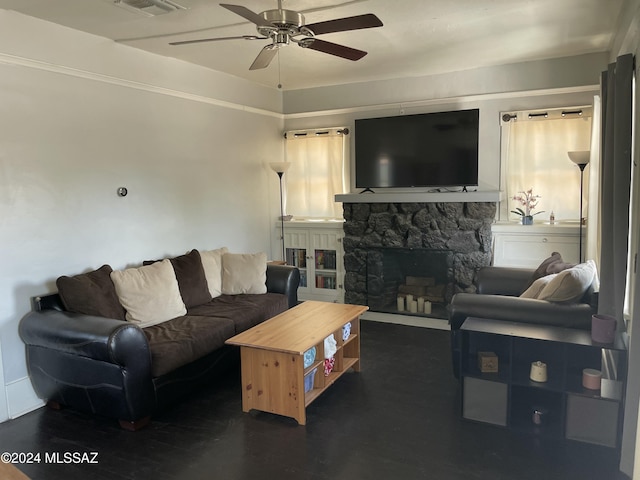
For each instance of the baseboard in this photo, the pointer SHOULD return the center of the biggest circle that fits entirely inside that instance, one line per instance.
(413, 321)
(21, 398)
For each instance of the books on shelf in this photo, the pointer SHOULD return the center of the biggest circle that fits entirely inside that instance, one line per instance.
(325, 259)
(324, 281)
(297, 257)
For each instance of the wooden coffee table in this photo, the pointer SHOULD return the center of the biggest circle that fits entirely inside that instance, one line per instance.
(272, 356)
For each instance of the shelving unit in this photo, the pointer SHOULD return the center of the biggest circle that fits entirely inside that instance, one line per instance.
(316, 249)
(559, 407)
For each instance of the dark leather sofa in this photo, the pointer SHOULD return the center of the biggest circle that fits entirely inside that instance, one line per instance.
(107, 367)
(497, 298)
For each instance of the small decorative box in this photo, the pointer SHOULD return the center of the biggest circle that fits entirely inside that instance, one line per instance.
(487, 362)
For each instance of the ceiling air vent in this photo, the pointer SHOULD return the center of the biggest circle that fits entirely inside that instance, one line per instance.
(150, 7)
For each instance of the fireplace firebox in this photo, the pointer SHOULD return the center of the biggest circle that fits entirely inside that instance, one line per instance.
(409, 280)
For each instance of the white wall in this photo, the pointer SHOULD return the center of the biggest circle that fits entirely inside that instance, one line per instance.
(569, 72)
(82, 116)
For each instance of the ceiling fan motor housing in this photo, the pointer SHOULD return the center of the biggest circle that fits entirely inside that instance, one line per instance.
(281, 21)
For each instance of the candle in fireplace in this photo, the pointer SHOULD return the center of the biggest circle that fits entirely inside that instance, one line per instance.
(427, 307)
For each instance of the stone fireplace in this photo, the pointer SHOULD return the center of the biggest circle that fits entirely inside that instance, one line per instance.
(428, 251)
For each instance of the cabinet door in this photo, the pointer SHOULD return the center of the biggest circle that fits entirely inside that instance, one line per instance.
(527, 251)
(297, 253)
(592, 420)
(317, 251)
(327, 263)
(484, 401)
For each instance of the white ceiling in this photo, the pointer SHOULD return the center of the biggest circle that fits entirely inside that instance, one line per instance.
(419, 37)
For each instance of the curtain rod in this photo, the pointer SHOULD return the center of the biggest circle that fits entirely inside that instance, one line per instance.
(585, 111)
(317, 132)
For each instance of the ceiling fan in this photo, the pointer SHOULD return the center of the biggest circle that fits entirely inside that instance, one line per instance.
(285, 26)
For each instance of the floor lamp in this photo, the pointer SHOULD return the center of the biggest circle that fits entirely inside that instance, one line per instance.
(280, 168)
(581, 159)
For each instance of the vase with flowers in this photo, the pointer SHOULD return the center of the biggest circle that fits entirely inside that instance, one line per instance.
(529, 201)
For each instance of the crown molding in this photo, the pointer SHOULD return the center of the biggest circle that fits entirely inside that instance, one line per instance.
(18, 61)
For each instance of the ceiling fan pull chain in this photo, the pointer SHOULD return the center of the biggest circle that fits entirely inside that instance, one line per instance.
(279, 72)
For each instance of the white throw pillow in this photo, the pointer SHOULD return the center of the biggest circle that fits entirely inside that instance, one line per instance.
(536, 287)
(244, 273)
(150, 294)
(212, 264)
(570, 284)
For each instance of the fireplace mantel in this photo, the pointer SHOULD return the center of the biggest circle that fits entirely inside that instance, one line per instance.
(421, 197)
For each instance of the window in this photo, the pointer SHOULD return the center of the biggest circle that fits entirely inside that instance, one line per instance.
(535, 146)
(319, 166)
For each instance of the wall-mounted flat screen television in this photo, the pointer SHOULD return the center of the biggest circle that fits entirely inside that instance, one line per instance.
(425, 150)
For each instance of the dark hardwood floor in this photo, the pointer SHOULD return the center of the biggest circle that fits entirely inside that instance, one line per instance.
(397, 419)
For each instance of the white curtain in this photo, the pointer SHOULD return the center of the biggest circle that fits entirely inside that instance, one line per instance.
(319, 163)
(537, 159)
(592, 240)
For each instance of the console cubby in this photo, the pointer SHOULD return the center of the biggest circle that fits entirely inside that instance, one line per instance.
(536, 410)
(497, 344)
(558, 407)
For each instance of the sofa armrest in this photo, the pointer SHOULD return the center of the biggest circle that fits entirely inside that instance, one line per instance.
(516, 309)
(98, 338)
(503, 280)
(93, 364)
(284, 279)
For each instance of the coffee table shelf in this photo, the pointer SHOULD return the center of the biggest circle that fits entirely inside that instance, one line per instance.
(272, 356)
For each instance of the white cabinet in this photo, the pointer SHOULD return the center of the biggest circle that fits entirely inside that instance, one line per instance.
(316, 249)
(525, 246)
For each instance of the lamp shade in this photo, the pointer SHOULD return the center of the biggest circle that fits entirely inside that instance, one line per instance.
(580, 157)
(280, 167)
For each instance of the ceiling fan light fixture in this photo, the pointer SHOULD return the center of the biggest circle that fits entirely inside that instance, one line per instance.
(150, 8)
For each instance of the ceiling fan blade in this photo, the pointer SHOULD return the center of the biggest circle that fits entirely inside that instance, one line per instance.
(358, 22)
(246, 13)
(264, 57)
(333, 49)
(242, 37)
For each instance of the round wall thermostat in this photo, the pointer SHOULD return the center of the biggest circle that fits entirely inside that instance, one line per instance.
(122, 191)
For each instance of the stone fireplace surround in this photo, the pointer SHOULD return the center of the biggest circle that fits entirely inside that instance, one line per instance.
(463, 228)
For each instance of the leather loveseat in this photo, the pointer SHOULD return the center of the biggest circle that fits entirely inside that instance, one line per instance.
(85, 351)
(498, 298)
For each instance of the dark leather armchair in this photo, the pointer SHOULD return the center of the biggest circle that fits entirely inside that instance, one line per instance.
(497, 298)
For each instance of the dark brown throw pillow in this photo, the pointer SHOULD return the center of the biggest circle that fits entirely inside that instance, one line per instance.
(191, 279)
(553, 264)
(91, 293)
